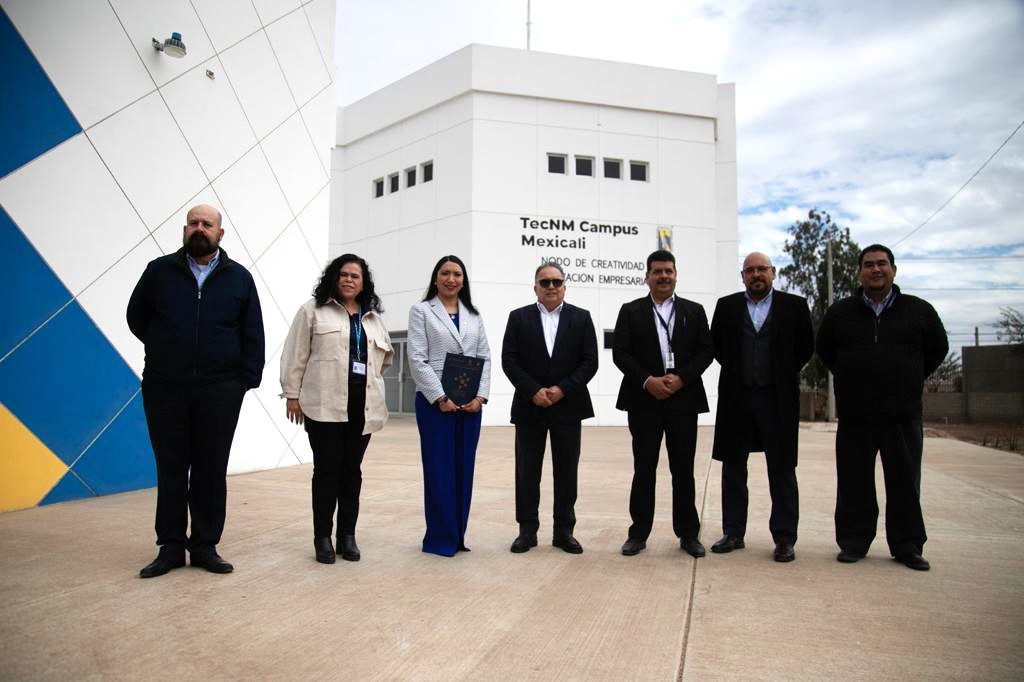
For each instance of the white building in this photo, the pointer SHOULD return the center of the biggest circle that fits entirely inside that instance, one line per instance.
(507, 158)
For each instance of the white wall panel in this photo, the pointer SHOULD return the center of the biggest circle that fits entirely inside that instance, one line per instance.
(72, 211)
(145, 20)
(314, 222)
(270, 10)
(688, 128)
(106, 300)
(294, 162)
(504, 165)
(95, 87)
(258, 443)
(227, 21)
(561, 114)
(290, 271)
(251, 196)
(687, 180)
(319, 116)
(321, 18)
(148, 155)
(210, 116)
(259, 83)
(275, 320)
(300, 59)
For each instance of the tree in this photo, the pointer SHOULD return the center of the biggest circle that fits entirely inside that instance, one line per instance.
(947, 377)
(1010, 327)
(807, 275)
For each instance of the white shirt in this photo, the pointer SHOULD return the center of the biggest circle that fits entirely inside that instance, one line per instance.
(667, 310)
(549, 323)
(759, 310)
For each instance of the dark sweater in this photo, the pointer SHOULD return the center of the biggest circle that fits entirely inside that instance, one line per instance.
(194, 339)
(880, 363)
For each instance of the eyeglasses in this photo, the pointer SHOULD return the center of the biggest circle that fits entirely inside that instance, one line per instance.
(550, 283)
(757, 269)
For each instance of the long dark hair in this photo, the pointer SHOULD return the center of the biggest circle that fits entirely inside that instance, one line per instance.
(464, 295)
(327, 287)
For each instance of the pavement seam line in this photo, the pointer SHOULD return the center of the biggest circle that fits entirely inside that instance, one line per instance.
(693, 578)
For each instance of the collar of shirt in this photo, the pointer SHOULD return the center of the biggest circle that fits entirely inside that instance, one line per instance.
(878, 307)
(758, 310)
(200, 271)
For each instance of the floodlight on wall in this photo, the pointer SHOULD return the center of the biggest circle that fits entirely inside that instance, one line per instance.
(172, 47)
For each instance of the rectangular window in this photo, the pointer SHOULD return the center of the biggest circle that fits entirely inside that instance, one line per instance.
(613, 168)
(556, 163)
(393, 183)
(428, 171)
(585, 166)
(638, 171)
(410, 177)
(378, 187)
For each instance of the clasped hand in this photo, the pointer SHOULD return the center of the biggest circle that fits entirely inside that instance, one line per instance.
(473, 405)
(663, 387)
(546, 397)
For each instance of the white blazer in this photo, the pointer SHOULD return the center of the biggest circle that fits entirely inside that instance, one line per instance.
(432, 335)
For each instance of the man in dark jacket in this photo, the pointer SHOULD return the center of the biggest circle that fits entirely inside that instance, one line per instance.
(662, 345)
(549, 353)
(198, 314)
(881, 345)
(763, 338)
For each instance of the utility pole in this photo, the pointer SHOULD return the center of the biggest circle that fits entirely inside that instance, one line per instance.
(831, 389)
(527, 24)
(977, 341)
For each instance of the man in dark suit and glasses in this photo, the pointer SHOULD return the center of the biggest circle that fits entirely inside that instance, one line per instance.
(662, 345)
(549, 353)
(763, 338)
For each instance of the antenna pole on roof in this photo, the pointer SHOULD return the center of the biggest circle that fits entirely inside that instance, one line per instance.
(527, 24)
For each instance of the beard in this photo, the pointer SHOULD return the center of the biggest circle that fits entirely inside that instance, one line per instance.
(198, 246)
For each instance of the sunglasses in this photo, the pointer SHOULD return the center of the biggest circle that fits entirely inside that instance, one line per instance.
(550, 283)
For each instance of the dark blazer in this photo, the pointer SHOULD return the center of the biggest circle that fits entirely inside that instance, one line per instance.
(792, 346)
(636, 351)
(525, 361)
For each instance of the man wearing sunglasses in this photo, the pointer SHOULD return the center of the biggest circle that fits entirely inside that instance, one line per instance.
(662, 346)
(763, 338)
(549, 353)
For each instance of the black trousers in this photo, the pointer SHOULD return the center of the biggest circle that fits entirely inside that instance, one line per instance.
(338, 449)
(565, 458)
(761, 431)
(680, 431)
(900, 446)
(191, 430)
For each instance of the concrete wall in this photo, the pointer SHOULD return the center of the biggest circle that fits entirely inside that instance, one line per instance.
(105, 144)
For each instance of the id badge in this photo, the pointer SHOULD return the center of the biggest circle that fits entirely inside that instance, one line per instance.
(670, 360)
(358, 367)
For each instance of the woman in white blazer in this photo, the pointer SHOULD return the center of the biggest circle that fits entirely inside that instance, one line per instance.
(445, 321)
(331, 378)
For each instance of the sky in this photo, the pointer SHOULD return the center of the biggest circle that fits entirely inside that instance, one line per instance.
(876, 111)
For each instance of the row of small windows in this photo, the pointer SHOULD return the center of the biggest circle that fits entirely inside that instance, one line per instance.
(638, 170)
(426, 173)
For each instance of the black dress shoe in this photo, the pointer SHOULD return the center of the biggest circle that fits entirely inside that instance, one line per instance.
(567, 543)
(324, 550)
(692, 547)
(523, 543)
(347, 548)
(212, 562)
(784, 552)
(162, 564)
(914, 561)
(848, 556)
(632, 546)
(727, 544)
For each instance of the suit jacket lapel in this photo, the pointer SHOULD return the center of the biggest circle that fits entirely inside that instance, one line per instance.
(438, 309)
(564, 318)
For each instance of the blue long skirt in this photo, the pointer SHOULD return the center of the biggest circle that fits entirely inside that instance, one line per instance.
(448, 448)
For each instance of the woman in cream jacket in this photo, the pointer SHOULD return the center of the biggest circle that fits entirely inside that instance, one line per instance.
(331, 377)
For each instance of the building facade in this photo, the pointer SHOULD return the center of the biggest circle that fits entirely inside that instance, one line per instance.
(104, 145)
(508, 158)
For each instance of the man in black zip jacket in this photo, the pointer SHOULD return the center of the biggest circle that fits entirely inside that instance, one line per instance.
(881, 345)
(198, 314)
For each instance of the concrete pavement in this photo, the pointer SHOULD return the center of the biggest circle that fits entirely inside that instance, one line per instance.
(72, 604)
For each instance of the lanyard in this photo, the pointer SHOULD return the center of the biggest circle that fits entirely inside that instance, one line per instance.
(667, 326)
(358, 325)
